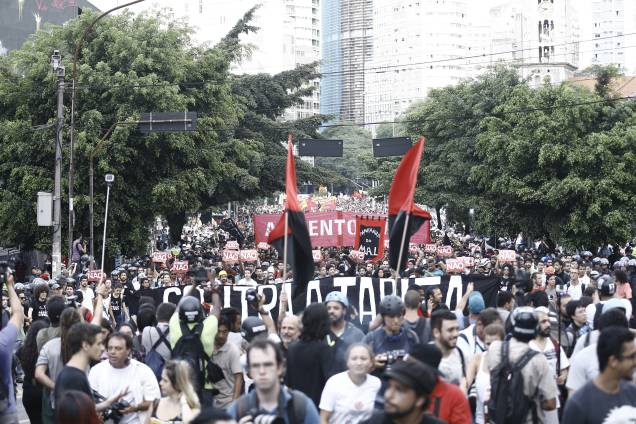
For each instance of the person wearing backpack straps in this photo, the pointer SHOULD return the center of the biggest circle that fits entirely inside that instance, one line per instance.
(192, 338)
(265, 365)
(154, 339)
(522, 383)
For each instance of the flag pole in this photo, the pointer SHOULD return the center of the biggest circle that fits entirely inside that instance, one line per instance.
(285, 247)
(406, 226)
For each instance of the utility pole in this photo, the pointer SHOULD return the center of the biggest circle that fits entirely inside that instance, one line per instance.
(58, 67)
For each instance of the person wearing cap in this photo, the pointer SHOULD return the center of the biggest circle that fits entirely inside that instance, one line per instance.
(407, 395)
(539, 384)
(393, 338)
(342, 333)
(584, 365)
(468, 340)
(550, 348)
(448, 402)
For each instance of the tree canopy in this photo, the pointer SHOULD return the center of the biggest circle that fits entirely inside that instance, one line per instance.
(554, 162)
(130, 65)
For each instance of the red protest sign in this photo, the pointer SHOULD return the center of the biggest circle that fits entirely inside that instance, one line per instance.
(507, 256)
(430, 248)
(180, 266)
(232, 245)
(444, 251)
(454, 265)
(249, 255)
(95, 275)
(357, 256)
(160, 256)
(230, 256)
(262, 246)
(468, 261)
(317, 255)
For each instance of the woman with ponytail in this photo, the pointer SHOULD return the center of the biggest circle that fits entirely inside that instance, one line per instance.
(180, 403)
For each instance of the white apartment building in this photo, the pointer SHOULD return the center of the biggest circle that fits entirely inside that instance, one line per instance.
(288, 35)
(608, 34)
(419, 45)
(540, 37)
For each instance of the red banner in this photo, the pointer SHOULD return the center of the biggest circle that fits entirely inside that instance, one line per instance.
(329, 229)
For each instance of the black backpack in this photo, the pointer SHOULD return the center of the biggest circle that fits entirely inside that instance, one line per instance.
(190, 349)
(153, 359)
(508, 404)
(296, 408)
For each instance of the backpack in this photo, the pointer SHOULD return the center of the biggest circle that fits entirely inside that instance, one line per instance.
(296, 407)
(190, 349)
(421, 327)
(153, 359)
(508, 404)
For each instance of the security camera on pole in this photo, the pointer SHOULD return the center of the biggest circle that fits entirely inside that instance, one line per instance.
(109, 178)
(58, 67)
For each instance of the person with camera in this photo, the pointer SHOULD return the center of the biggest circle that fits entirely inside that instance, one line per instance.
(85, 345)
(393, 339)
(269, 399)
(119, 374)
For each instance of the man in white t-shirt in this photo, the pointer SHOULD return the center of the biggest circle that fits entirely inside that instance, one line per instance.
(247, 279)
(445, 330)
(87, 293)
(121, 373)
(543, 343)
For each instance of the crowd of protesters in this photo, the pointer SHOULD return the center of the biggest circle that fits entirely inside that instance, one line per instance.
(556, 346)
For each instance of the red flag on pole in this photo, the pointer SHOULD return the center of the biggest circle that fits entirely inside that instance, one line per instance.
(404, 217)
(297, 242)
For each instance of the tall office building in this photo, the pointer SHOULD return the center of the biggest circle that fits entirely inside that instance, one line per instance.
(288, 35)
(346, 50)
(419, 45)
(540, 37)
(609, 34)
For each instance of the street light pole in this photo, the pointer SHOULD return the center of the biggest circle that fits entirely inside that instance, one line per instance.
(56, 263)
(109, 178)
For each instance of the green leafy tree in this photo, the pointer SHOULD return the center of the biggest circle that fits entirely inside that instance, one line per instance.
(130, 65)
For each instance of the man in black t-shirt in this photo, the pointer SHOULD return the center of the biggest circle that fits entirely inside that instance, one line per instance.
(85, 342)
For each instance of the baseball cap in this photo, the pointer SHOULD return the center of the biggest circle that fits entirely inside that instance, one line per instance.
(337, 296)
(476, 303)
(413, 374)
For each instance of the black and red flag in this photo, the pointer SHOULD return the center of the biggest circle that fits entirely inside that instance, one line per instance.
(404, 217)
(370, 237)
(299, 253)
